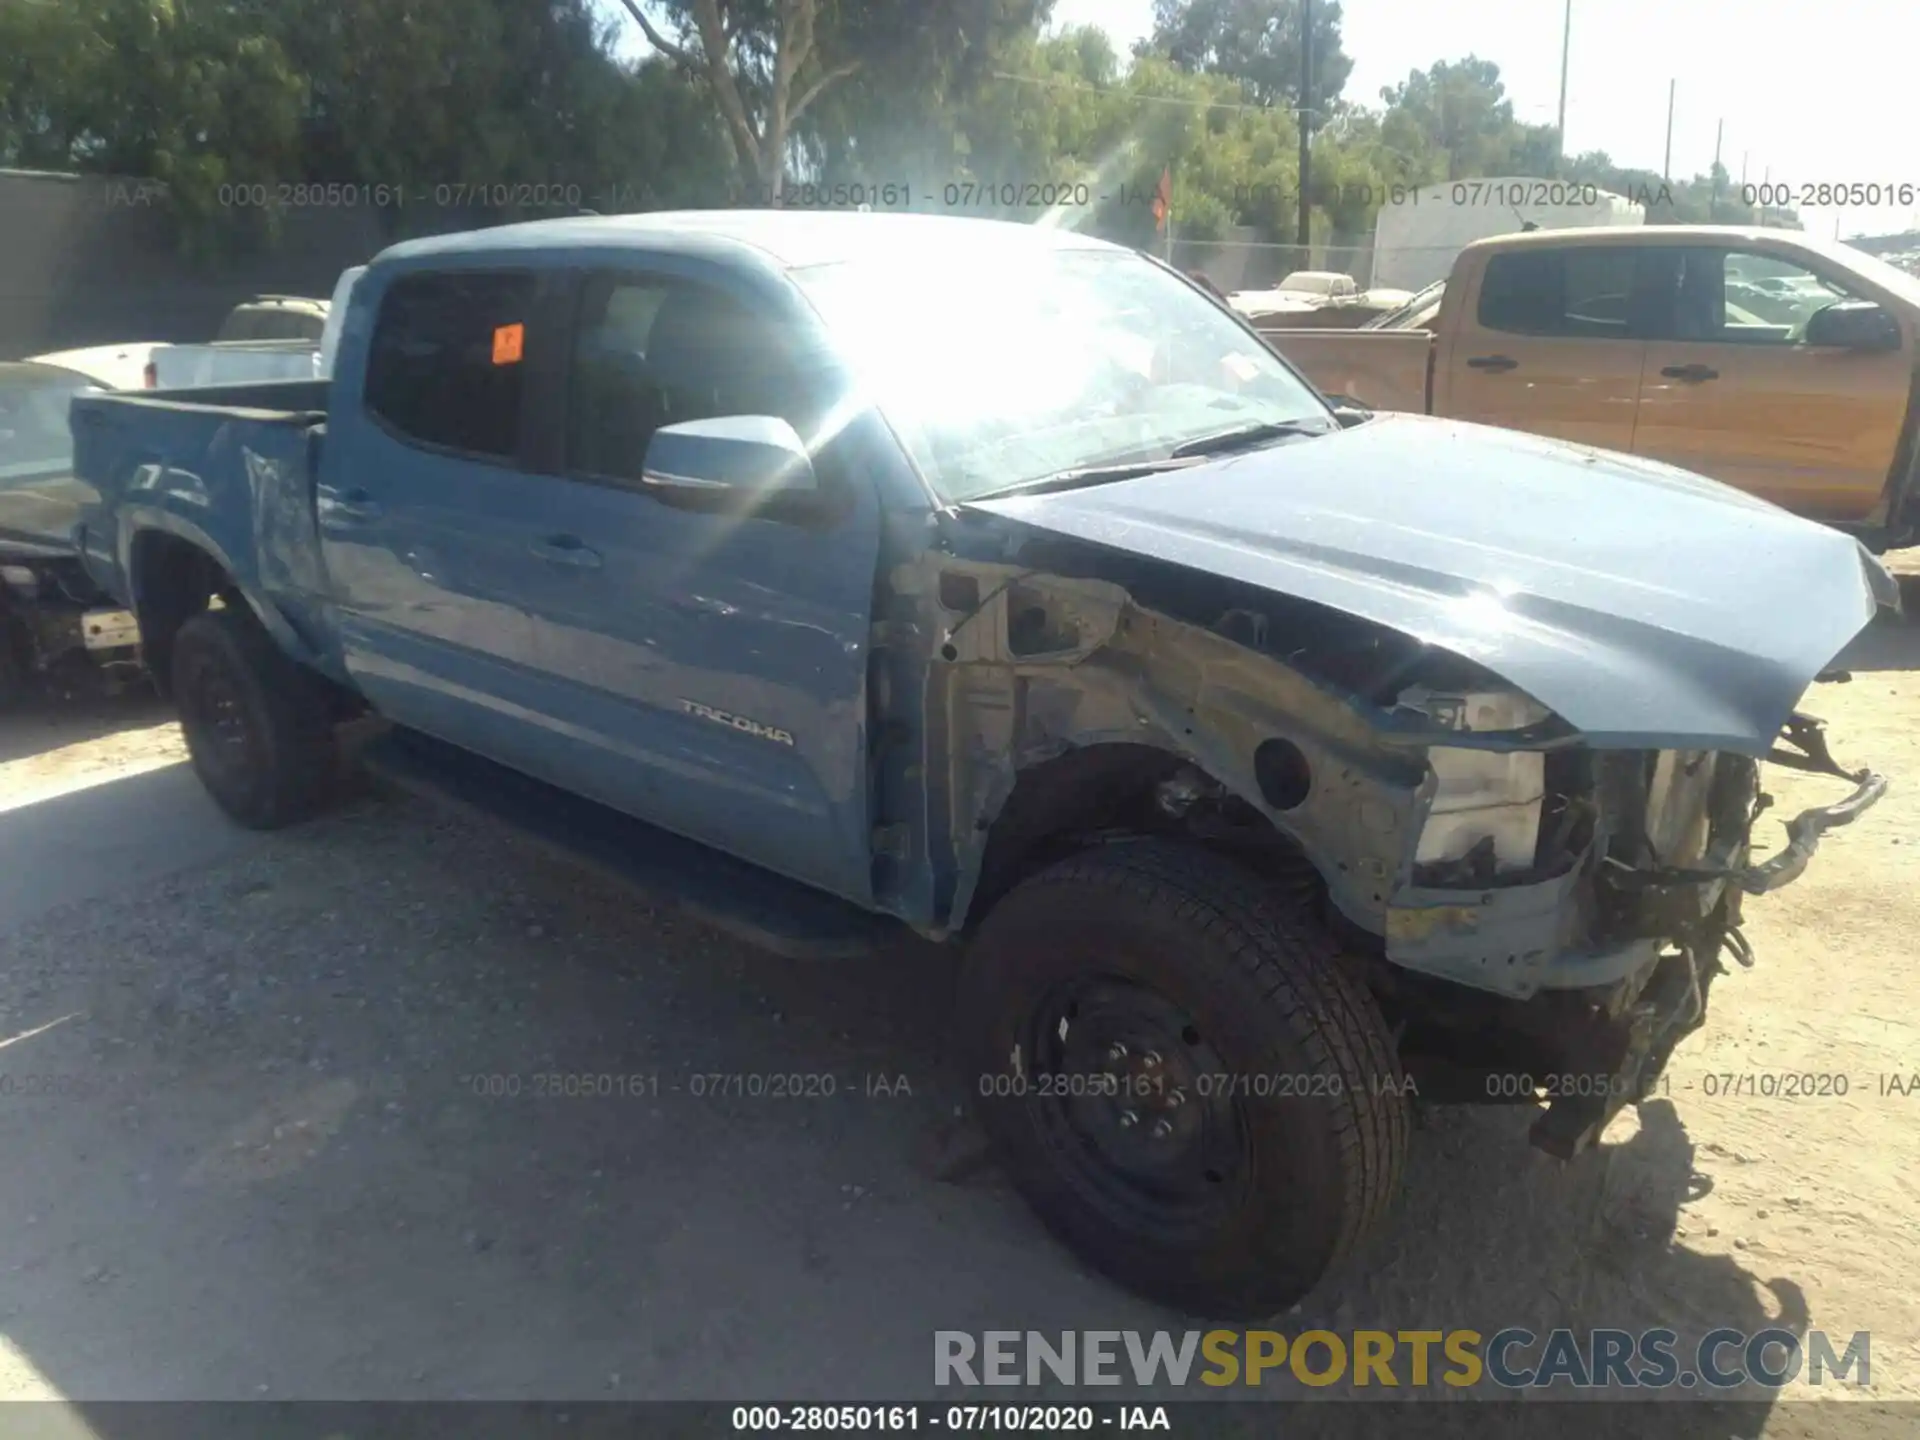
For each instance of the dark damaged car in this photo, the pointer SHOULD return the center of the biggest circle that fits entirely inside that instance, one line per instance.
(1272, 764)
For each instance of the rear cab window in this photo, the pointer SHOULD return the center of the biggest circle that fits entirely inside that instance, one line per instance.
(446, 366)
(269, 322)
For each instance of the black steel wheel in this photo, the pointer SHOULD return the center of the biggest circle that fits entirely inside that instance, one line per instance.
(1182, 1077)
(258, 728)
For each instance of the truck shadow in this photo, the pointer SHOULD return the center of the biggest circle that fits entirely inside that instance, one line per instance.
(395, 1107)
(43, 723)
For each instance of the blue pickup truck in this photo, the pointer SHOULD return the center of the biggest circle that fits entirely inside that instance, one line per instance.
(1274, 763)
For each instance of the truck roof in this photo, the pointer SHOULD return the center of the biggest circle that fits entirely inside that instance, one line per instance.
(789, 239)
(1655, 235)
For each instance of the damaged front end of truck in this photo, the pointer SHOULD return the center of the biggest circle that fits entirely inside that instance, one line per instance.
(1587, 898)
(1527, 806)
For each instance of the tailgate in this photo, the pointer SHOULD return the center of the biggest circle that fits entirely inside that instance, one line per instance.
(1381, 369)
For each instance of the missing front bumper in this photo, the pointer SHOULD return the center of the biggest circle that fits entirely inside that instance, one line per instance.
(1804, 832)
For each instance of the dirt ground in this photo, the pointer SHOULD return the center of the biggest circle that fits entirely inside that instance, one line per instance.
(256, 1143)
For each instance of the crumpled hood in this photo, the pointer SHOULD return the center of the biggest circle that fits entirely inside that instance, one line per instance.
(1647, 606)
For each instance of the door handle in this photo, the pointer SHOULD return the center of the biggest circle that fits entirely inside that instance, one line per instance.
(566, 550)
(1493, 362)
(1691, 372)
(355, 505)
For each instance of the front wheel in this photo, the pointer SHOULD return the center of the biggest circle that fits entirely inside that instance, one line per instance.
(259, 729)
(1181, 1077)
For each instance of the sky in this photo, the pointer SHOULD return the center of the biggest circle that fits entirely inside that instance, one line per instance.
(1811, 92)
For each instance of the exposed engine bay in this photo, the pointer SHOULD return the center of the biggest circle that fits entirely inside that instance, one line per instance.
(1536, 914)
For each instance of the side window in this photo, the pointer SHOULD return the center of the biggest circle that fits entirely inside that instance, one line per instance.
(1742, 298)
(1580, 292)
(446, 365)
(650, 351)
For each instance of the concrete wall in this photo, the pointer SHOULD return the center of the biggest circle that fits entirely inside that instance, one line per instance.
(90, 260)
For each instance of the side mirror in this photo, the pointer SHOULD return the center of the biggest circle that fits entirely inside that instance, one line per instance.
(733, 456)
(1853, 325)
(1348, 411)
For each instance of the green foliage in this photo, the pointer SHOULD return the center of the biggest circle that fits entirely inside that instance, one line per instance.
(431, 98)
(1461, 110)
(1255, 42)
(192, 96)
(925, 94)
(1710, 199)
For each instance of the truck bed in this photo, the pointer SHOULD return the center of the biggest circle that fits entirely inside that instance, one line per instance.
(1381, 369)
(228, 469)
(225, 362)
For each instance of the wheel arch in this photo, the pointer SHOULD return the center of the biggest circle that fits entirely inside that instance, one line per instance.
(171, 578)
(1074, 799)
(173, 573)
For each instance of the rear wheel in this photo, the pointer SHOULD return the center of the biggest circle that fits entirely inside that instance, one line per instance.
(259, 728)
(1181, 1077)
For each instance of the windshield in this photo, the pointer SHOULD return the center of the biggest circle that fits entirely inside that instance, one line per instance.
(1871, 267)
(1426, 299)
(1040, 361)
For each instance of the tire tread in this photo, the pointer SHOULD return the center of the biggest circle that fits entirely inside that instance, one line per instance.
(296, 707)
(1299, 975)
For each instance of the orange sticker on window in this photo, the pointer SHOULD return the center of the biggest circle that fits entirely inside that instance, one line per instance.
(506, 343)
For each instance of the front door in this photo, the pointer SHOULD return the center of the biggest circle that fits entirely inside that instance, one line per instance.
(1548, 343)
(707, 669)
(1732, 390)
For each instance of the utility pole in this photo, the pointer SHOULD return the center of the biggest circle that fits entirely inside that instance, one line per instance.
(1666, 165)
(1304, 238)
(1560, 128)
(1170, 218)
(1719, 133)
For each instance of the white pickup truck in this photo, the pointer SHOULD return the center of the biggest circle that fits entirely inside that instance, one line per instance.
(270, 337)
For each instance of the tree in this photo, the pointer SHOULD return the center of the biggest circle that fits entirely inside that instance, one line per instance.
(459, 101)
(1460, 109)
(1256, 42)
(1710, 199)
(194, 97)
(923, 118)
(764, 64)
(767, 62)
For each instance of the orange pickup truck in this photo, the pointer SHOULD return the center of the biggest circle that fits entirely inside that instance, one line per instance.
(1779, 364)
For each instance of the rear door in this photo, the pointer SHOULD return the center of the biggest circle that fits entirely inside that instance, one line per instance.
(1732, 390)
(1551, 341)
(424, 505)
